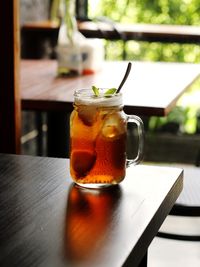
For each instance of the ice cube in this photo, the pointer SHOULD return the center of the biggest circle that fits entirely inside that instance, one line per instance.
(110, 131)
(114, 125)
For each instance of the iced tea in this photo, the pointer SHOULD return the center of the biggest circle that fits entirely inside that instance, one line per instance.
(98, 140)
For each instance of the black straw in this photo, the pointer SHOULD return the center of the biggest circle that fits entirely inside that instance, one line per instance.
(125, 77)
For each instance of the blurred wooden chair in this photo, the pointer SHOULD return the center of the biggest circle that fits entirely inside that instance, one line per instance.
(188, 203)
(10, 109)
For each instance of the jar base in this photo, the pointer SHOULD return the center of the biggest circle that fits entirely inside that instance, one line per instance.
(96, 186)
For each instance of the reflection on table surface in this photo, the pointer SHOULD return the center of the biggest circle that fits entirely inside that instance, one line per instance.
(88, 217)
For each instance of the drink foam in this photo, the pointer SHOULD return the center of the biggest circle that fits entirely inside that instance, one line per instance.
(87, 97)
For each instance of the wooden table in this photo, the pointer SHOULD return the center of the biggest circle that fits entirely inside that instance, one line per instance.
(152, 88)
(47, 221)
(182, 34)
(138, 31)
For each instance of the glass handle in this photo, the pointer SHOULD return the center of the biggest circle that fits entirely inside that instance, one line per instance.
(140, 128)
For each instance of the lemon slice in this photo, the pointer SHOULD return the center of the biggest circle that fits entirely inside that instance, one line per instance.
(82, 161)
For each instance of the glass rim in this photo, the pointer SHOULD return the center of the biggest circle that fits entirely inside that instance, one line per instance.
(87, 92)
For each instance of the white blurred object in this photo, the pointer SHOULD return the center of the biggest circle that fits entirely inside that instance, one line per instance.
(82, 56)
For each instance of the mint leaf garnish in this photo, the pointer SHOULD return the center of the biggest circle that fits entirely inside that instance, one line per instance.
(110, 91)
(95, 90)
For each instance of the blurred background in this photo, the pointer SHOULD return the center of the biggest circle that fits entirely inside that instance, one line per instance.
(179, 131)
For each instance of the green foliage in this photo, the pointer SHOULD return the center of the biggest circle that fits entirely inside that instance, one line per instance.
(185, 12)
(178, 116)
(149, 11)
(180, 120)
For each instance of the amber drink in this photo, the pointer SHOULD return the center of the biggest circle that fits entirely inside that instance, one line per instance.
(98, 132)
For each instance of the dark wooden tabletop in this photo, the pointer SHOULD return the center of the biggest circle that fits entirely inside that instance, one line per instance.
(141, 32)
(116, 31)
(45, 220)
(151, 89)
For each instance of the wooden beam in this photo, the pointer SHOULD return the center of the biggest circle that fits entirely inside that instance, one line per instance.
(10, 109)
